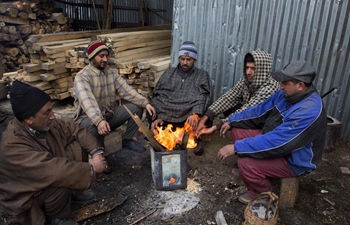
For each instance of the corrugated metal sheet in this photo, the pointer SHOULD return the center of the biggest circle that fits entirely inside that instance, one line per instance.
(157, 12)
(225, 30)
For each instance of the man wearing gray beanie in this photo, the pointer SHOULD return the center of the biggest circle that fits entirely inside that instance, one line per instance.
(42, 159)
(182, 92)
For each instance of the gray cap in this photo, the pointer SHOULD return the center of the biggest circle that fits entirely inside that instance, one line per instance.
(297, 70)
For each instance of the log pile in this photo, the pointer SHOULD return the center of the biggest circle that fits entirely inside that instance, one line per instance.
(19, 20)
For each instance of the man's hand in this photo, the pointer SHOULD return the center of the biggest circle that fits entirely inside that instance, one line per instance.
(225, 152)
(99, 163)
(156, 123)
(192, 121)
(103, 128)
(201, 125)
(151, 111)
(224, 129)
(209, 130)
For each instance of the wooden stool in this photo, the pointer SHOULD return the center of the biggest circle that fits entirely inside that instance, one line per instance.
(289, 191)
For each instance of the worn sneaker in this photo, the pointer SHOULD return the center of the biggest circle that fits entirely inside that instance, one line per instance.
(245, 198)
(83, 198)
(63, 222)
(133, 145)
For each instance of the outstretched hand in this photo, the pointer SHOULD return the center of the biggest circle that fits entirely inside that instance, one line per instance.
(209, 130)
(226, 152)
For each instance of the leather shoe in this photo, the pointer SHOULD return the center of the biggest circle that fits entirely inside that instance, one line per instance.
(84, 197)
(63, 222)
(133, 145)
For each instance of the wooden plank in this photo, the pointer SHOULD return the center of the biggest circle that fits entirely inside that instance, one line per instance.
(121, 43)
(142, 44)
(61, 96)
(164, 51)
(147, 64)
(31, 78)
(31, 67)
(86, 34)
(51, 77)
(141, 50)
(52, 65)
(43, 85)
(136, 34)
(160, 66)
(62, 47)
(39, 46)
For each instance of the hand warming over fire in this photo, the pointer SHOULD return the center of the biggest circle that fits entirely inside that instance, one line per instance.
(193, 121)
(209, 130)
(156, 123)
(151, 111)
(103, 128)
(225, 152)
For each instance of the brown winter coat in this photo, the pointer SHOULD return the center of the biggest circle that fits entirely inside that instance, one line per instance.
(28, 166)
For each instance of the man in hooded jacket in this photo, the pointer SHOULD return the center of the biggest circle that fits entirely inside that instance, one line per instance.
(254, 87)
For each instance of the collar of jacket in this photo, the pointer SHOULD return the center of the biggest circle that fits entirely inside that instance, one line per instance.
(298, 97)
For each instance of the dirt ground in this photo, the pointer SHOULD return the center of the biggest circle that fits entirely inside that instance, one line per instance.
(324, 196)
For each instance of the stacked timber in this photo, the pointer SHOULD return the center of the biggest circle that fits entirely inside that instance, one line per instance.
(135, 52)
(19, 20)
(47, 68)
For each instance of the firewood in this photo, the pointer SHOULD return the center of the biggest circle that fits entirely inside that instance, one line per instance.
(11, 51)
(13, 20)
(60, 18)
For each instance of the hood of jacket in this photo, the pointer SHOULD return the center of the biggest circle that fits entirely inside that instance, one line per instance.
(263, 64)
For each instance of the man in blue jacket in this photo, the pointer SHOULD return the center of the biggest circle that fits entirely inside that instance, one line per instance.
(293, 125)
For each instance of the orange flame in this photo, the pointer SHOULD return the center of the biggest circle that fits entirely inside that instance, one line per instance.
(172, 180)
(169, 138)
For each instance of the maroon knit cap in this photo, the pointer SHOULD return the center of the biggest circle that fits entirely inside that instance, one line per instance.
(94, 48)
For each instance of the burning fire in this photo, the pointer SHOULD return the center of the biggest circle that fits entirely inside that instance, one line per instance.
(169, 138)
(172, 180)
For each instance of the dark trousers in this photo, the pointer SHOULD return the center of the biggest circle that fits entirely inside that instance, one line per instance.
(120, 116)
(52, 202)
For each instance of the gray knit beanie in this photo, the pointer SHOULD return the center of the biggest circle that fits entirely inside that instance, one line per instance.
(189, 49)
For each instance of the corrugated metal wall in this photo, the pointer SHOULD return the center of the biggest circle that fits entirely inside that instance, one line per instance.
(315, 30)
(83, 10)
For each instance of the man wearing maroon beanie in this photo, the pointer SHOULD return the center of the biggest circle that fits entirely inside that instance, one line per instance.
(97, 89)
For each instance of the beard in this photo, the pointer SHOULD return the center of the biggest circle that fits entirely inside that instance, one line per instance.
(186, 68)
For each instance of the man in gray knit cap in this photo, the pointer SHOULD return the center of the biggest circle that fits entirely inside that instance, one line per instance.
(182, 92)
